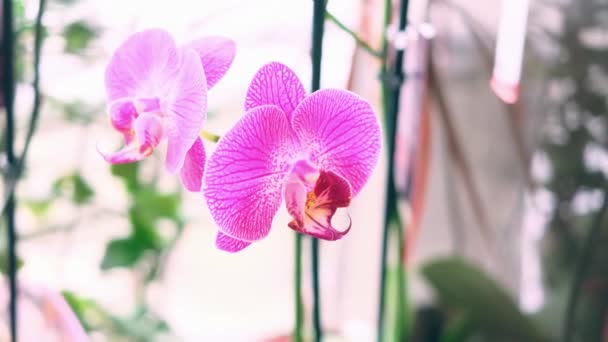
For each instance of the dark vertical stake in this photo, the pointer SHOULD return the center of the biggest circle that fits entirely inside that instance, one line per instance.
(8, 90)
(318, 23)
(394, 79)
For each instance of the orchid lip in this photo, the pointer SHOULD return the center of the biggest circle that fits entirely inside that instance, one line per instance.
(312, 197)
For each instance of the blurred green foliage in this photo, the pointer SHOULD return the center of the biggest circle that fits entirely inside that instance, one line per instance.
(475, 301)
(78, 35)
(578, 118)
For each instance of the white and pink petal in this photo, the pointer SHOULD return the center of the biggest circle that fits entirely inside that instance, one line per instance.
(185, 109)
(216, 54)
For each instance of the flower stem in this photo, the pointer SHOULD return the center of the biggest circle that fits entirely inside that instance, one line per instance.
(385, 231)
(318, 24)
(362, 43)
(391, 86)
(8, 92)
(297, 333)
(584, 262)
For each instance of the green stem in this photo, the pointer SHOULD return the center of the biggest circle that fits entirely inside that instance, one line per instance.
(318, 25)
(362, 43)
(8, 53)
(588, 249)
(297, 333)
(392, 82)
(401, 318)
(17, 168)
(385, 96)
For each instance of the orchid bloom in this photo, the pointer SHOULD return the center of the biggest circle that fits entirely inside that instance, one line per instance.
(315, 151)
(157, 90)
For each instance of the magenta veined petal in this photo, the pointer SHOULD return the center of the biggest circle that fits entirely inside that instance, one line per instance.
(341, 132)
(142, 65)
(275, 84)
(216, 54)
(228, 244)
(186, 110)
(245, 174)
(192, 171)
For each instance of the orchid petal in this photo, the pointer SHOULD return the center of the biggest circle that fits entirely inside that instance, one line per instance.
(194, 166)
(300, 181)
(244, 176)
(128, 154)
(147, 131)
(186, 110)
(275, 84)
(142, 65)
(122, 114)
(228, 244)
(341, 132)
(216, 54)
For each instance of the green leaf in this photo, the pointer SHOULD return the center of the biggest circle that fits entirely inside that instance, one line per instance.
(123, 253)
(128, 173)
(80, 112)
(144, 231)
(469, 291)
(74, 187)
(77, 36)
(39, 207)
(151, 205)
(4, 262)
(83, 308)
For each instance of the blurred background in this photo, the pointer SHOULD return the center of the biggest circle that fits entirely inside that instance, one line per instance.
(502, 204)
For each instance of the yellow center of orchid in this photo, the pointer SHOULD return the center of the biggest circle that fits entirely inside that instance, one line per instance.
(311, 199)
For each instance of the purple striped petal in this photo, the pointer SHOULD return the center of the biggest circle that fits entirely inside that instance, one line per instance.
(228, 244)
(194, 167)
(216, 54)
(275, 84)
(341, 133)
(186, 110)
(142, 66)
(245, 175)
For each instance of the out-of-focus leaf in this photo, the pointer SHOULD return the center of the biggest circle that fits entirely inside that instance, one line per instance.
(66, 2)
(151, 205)
(80, 112)
(144, 231)
(39, 207)
(466, 289)
(77, 36)
(74, 187)
(4, 262)
(123, 253)
(86, 310)
(128, 173)
(18, 11)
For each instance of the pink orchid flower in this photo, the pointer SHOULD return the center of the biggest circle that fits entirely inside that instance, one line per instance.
(314, 151)
(158, 91)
